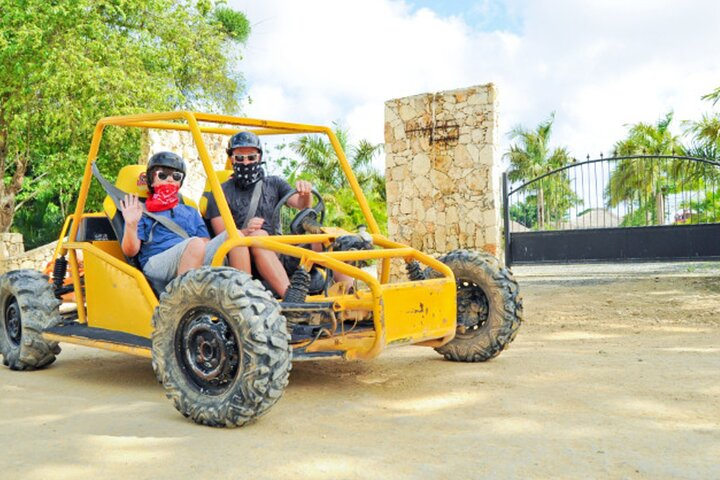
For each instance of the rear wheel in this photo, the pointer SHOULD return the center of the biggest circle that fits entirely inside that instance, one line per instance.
(28, 306)
(220, 347)
(489, 307)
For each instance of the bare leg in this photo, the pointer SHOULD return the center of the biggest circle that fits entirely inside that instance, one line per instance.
(337, 276)
(239, 258)
(193, 255)
(341, 277)
(269, 266)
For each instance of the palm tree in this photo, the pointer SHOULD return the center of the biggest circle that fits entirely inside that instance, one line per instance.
(531, 157)
(645, 179)
(705, 136)
(714, 96)
(319, 164)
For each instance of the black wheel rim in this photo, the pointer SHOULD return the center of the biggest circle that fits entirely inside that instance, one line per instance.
(13, 323)
(472, 307)
(208, 350)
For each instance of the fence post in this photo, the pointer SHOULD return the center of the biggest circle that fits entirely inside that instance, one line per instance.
(506, 219)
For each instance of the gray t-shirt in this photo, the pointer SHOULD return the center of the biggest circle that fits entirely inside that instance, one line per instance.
(273, 189)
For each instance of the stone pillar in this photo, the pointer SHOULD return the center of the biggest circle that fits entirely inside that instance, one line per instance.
(442, 175)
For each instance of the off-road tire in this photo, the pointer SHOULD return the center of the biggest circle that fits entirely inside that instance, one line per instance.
(218, 319)
(489, 307)
(28, 306)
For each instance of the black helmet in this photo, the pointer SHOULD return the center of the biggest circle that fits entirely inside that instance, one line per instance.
(243, 139)
(165, 159)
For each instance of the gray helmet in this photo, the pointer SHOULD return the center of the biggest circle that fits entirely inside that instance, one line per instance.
(244, 139)
(168, 160)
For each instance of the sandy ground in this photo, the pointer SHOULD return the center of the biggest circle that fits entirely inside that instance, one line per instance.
(615, 374)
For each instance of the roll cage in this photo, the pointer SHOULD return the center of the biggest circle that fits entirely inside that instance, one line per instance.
(198, 123)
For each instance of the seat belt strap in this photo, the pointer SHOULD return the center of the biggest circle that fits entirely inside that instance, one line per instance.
(253, 203)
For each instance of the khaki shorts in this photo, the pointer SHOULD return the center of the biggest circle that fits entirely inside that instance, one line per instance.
(163, 267)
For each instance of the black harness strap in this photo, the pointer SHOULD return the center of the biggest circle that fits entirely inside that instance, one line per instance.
(257, 191)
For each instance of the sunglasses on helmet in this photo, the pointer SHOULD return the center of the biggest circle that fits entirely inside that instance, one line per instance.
(251, 157)
(163, 175)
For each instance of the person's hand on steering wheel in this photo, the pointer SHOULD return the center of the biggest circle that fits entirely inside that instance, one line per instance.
(304, 190)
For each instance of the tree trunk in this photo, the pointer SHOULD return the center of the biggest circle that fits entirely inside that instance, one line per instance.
(659, 209)
(7, 199)
(7, 211)
(541, 209)
(9, 191)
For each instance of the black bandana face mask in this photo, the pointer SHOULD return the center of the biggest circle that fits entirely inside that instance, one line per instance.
(248, 174)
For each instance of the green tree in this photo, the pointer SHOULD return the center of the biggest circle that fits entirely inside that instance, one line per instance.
(525, 213)
(65, 64)
(645, 180)
(713, 96)
(705, 136)
(315, 161)
(532, 156)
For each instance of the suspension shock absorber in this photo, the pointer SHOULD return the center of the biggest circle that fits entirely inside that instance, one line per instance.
(414, 271)
(299, 286)
(59, 271)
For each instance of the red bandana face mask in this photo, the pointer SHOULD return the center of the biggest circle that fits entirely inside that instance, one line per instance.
(164, 198)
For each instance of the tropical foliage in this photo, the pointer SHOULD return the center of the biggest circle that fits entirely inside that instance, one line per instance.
(704, 138)
(713, 96)
(643, 184)
(532, 156)
(525, 212)
(313, 158)
(64, 65)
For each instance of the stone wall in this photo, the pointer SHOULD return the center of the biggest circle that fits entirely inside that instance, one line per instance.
(442, 174)
(11, 245)
(183, 144)
(14, 257)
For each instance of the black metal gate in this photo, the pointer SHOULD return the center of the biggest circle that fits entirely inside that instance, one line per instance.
(639, 208)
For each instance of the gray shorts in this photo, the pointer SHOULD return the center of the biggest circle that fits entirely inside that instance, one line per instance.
(163, 267)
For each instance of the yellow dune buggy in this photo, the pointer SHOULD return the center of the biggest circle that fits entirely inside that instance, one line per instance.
(221, 344)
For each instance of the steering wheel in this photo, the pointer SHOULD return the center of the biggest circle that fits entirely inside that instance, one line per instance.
(285, 222)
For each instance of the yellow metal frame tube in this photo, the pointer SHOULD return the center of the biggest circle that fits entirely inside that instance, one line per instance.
(77, 216)
(372, 283)
(434, 263)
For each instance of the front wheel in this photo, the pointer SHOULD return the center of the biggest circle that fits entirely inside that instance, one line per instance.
(489, 307)
(220, 347)
(28, 306)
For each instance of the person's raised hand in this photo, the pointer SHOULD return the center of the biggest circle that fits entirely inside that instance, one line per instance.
(131, 209)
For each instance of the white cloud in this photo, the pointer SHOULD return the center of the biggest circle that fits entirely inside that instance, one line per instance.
(598, 65)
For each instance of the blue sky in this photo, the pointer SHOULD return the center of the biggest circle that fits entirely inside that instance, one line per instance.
(488, 15)
(599, 65)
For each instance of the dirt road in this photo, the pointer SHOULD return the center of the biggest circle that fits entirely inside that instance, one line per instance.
(613, 375)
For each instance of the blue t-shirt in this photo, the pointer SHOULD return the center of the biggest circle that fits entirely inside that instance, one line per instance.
(156, 238)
